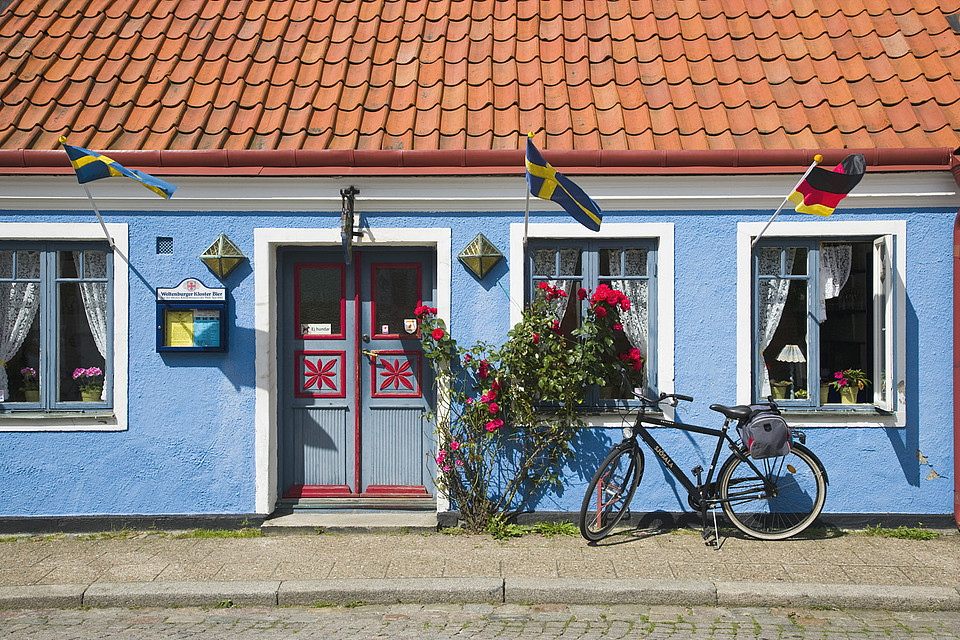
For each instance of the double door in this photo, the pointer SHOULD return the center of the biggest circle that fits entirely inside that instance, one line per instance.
(354, 386)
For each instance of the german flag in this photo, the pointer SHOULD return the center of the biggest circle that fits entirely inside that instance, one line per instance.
(822, 190)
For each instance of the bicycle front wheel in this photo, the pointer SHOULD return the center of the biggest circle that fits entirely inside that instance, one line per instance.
(608, 496)
(784, 501)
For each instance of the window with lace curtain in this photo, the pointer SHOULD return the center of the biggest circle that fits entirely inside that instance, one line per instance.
(823, 308)
(55, 336)
(626, 265)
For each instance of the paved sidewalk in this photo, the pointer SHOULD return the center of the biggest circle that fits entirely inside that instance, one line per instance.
(150, 569)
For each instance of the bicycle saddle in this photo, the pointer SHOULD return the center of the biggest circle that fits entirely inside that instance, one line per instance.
(740, 412)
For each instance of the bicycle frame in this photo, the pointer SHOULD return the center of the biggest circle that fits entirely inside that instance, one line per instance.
(705, 492)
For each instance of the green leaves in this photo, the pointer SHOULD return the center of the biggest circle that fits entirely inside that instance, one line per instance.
(513, 409)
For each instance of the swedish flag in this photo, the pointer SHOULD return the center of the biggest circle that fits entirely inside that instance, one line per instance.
(546, 182)
(91, 166)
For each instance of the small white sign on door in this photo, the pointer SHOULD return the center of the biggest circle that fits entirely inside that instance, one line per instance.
(316, 329)
(410, 325)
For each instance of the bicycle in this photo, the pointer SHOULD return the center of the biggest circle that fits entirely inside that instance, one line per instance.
(769, 499)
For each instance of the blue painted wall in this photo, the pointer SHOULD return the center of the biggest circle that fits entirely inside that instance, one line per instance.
(189, 448)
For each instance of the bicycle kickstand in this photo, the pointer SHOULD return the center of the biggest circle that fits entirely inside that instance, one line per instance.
(702, 500)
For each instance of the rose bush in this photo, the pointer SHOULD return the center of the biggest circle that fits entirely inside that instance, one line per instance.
(506, 415)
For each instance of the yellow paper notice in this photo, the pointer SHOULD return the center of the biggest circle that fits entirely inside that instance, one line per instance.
(179, 329)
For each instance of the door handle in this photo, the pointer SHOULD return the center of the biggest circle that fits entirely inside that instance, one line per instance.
(372, 354)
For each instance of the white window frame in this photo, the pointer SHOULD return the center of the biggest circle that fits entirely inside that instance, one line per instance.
(661, 232)
(114, 419)
(826, 230)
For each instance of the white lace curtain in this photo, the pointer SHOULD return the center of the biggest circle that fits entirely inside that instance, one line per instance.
(634, 320)
(19, 302)
(94, 296)
(772, 297)
(834, 272)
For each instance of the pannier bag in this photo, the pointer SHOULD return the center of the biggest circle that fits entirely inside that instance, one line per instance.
(766, 434)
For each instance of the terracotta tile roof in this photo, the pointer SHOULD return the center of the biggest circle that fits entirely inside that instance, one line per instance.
(478, 74)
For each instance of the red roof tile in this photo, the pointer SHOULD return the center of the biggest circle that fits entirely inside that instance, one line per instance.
(448, 74)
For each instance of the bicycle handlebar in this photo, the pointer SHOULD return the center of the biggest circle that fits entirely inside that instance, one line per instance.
(673, 397)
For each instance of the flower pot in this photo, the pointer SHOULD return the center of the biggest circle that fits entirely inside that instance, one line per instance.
(91, 395)
(780, 391)
(848, 395)
(824, 393)
(31, 395)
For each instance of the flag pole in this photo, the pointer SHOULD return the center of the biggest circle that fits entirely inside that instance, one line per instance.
(817, 159)
(526, 208)
(526, 220)
(97, 211)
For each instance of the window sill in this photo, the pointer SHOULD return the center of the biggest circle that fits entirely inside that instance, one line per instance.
(95, 420)
(827, 416)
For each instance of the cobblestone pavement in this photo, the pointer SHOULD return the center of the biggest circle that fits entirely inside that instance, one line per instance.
(477, 621)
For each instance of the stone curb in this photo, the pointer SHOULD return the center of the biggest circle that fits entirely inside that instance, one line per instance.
(842, 596)
(480, 590)
(395, 591)
(181, 594)
(609, 591)
(43, 596)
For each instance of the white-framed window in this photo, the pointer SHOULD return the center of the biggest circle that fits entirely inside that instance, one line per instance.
(817, 300)
(63, 327)
(636, 258)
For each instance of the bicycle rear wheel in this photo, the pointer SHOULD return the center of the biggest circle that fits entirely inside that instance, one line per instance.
(608, 496)
(783, 506)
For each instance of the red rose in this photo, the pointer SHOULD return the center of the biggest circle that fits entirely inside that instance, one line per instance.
(494, 407)
(582, 294)
(437, 333)
(601, 312)
(536, 338)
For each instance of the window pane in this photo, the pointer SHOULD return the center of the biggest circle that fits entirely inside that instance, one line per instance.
(6, 264)
(799, 262)
(846, 328)
(80, 308)
(319, 294)
(634, 335)
(23, 369)
(610, 260)
(570, 263)
(785, 355)
(396, 293)
(781, 321)
(544, 263)
(769, 261)
(67, 262)
(636, 263)
(95, 264)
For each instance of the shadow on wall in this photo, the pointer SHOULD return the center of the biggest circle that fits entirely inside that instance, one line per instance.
(906, 441)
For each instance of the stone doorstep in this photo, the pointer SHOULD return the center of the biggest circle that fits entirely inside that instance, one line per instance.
(384, 522)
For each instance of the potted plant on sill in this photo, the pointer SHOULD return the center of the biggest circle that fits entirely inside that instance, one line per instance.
(31, 387)
(780, 389)
(849, 382)
(90, 383)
